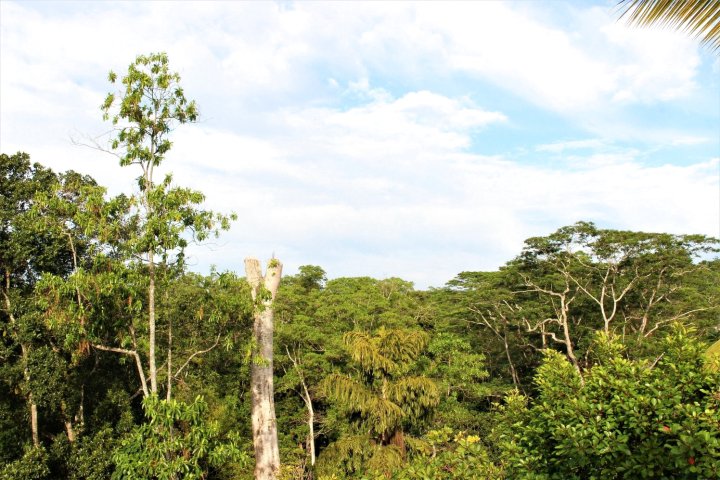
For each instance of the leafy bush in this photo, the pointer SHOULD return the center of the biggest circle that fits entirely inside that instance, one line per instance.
(33, 465)
(655, 419)
(175, 443)
(454, 456)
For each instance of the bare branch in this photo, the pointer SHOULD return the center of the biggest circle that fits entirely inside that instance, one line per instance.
(199, 352)
(132, 353)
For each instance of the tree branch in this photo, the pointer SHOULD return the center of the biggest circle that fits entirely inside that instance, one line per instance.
(199, 352)
(132, 353)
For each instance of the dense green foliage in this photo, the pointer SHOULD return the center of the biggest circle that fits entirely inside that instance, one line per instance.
(586, 356)
(624, 418)
(176, 441)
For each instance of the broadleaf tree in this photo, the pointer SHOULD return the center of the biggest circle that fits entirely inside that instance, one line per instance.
(149, 106)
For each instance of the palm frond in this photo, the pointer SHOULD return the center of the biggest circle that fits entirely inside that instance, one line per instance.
(700, 18)
(385, 460)
(364, 350)
(416, 395)
(346, 390)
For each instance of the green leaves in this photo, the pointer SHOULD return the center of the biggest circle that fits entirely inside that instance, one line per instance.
(631, 419)
(388, 352)
(149, 107)
(33, 465)
(380, 401)
(452, 456)
(177, 442)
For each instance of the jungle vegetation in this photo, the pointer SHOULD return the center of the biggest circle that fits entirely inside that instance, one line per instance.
(587, 355)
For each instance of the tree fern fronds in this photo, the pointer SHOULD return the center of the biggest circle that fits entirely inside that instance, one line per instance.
(348, 454)
(364, 350)
(385, 351)
(384, 415)
(385, 460)
(347, 391)
(402, 345)
(417, 395)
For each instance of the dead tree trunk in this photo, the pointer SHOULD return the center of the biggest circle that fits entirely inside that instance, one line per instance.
(264, 425)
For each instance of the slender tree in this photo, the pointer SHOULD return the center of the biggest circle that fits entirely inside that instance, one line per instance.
(23, 256)
(148, 108)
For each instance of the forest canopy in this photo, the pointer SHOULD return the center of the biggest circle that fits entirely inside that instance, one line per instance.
(585, 356)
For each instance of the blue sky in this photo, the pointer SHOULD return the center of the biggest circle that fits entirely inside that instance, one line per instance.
(387, 139)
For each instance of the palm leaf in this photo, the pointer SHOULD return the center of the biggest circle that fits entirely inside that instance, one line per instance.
(346, 390)
(416, 395)
(700, 18)
(364, 350)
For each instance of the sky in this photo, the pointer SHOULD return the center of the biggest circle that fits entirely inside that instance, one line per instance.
(411, 140)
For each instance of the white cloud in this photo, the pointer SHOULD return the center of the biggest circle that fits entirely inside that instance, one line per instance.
(327, 129)
(643, 56)
(385, 128)
(557, 147)
(239, 58)
(380, 214)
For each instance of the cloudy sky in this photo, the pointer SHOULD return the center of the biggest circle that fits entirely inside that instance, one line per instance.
(405, 139)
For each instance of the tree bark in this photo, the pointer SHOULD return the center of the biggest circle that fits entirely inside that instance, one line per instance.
(34, 421)
(67, 420)
(264, 424)
(25, 360)
(169, 362)
(305, 395)
(513, 372)
(31, 401)
(151, 324)
(138, 363)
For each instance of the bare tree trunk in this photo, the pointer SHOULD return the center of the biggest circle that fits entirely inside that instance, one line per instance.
(31, 399)
(569, 347)
(25, 359)
(34, 421)
(80, 415)
(305, 395)
(264, 424)
(169, 362)
(311, 430)
(67, 420)
(138, 363)
(544, 337)
(151, 321)
(513, 372)
(564, 318)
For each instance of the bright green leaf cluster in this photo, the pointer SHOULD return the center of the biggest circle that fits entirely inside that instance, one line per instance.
(631, 418)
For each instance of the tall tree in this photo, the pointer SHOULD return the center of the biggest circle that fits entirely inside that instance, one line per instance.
(264, 424)
(486, 299)
(618, 281)
(147, 109)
